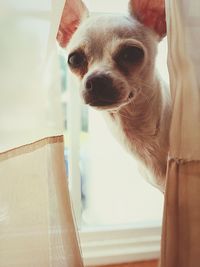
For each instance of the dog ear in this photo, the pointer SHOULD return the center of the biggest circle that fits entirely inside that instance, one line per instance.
(74, 13)
(150, 13)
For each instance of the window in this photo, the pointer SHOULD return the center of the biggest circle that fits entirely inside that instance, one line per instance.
(118, 213)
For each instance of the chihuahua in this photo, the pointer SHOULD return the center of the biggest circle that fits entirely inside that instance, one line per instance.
(113, 57)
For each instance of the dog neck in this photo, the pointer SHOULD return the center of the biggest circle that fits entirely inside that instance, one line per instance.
(144, 125)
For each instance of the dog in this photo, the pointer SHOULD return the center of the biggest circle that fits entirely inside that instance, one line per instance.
(113, 56)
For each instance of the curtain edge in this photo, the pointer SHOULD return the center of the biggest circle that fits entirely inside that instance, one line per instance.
(30, 147)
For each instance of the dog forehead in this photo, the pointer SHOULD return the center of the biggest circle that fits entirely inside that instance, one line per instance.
(97, 34)
(109, 26)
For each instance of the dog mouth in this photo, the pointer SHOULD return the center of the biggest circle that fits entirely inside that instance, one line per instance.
(102, 103)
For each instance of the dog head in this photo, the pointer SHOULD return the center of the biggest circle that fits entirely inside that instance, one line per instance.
(112, 55)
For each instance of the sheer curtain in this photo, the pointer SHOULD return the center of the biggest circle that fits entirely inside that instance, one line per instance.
(36, 222)
(181, 224)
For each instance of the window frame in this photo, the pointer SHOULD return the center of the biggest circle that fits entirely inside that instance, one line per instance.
(121, 244)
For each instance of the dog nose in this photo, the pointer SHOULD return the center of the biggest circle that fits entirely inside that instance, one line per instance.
(101, 85)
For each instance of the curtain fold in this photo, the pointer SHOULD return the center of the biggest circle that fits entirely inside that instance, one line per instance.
(36, 220)
(181, 232)
(30, 100)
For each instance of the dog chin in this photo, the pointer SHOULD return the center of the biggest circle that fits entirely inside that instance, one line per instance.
(113, 107)
(108, 107)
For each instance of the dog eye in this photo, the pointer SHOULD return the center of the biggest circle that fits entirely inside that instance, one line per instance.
(76, 59)
(130, 55)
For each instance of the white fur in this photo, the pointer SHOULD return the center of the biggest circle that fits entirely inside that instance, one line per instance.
(141, 124)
